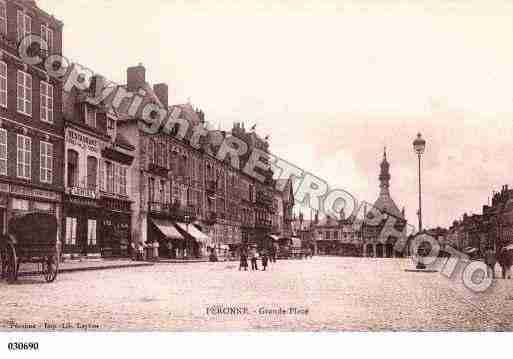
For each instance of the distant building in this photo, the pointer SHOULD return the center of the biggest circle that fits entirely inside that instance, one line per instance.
(373, 244)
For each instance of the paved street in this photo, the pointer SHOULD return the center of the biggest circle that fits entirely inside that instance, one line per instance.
(339, 294)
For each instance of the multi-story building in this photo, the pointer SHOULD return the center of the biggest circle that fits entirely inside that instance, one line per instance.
(97, 202)
(31, 125)
(337, 236)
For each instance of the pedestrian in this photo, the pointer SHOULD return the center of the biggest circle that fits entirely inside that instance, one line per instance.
(243, 261)
(254, 258)
(490, 260)
(505, 261)
(264, 260)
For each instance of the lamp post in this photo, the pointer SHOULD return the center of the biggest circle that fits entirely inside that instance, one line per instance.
(419, 146)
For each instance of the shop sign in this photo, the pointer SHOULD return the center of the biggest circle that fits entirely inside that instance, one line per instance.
(85, 142)
(82, 192)
(33, 192)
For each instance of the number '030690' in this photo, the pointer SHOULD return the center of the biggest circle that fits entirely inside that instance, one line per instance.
(22, 346)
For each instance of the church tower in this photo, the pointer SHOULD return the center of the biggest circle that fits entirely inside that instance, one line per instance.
(384, 176)
(385, 201)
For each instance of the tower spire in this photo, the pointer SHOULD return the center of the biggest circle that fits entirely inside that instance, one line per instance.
(384, 175)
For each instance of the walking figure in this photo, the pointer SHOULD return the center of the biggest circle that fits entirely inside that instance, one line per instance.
(264, 260)
(490, 260)
(505, 261)
(243, 261)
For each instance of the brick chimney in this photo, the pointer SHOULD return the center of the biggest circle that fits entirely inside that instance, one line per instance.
(162, 92)
(135, 77)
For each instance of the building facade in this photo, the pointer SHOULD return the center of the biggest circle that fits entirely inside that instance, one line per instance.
(97, 202)
(31, 125)
(187, 200)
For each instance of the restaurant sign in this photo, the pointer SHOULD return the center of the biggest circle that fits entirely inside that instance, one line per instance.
(85, 142)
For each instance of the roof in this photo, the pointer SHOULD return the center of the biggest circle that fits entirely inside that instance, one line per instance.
(385, 203)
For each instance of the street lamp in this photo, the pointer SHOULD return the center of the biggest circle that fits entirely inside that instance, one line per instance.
(419, 146)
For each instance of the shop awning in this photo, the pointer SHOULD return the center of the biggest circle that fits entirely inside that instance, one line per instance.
(194, 232)
(167, 229)
(273, 237)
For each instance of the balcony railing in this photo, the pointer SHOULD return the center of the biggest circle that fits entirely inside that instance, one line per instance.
(174, 211)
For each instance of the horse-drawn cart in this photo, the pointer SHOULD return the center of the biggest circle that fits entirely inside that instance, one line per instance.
(32, 238)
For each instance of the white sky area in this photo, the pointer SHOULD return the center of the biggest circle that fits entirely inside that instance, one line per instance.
(332, 83)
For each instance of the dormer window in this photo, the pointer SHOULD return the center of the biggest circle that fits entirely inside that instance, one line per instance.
(90, 116)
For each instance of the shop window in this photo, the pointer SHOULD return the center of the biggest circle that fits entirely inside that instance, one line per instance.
(327, 235)
(92, 172)
(335, 235)
(46, 162)
(24, 152)
(3, 152)
(72, 168)
(91, 232)
(71, 231)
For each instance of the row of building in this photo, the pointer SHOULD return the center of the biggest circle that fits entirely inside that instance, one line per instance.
(112, 185)
(359, 235)
(475, 233)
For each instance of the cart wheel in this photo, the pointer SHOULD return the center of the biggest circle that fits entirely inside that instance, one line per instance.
(11, 263)
(50, 267)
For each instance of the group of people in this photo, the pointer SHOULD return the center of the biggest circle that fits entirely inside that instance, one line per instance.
(504, 258)
(253, 257)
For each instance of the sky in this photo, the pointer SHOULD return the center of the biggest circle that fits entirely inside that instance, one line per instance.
(332, 83)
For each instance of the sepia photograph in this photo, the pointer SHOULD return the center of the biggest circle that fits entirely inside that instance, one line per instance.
(333, 166)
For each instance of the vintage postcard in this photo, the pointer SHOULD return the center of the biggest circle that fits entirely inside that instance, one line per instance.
(260, 166)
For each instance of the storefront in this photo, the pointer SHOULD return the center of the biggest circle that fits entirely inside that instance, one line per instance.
(82, 216)
(17, 200)
(116, 227)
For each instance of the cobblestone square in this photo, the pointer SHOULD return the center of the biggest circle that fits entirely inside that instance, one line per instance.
(327, 293)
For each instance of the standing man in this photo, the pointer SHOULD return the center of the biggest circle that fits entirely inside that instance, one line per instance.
(254, 258)
(264, 260)
(490, 260)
